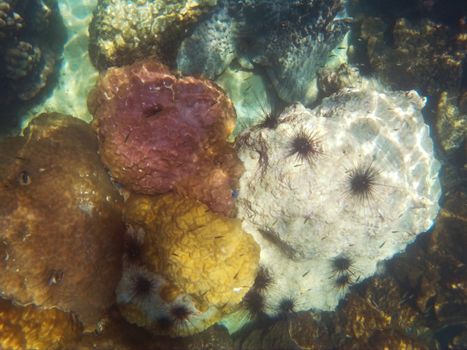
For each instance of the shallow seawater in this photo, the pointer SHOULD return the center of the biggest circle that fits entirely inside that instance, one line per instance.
(230, 174)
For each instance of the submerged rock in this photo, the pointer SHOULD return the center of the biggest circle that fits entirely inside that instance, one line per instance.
(185, 267)
(332, 191)
(60, 220)
(159, 132)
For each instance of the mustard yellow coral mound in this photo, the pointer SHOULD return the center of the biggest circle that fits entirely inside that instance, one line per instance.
(32, 328)
(199, 255)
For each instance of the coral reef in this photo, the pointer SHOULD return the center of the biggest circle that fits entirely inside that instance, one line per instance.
(10, 21)
(159, 132)
(210, 48)
(123, 31)
(417, 45)
(289, 40)
(353, 180)
(299, 43)
(442, 11)
(32, 36)
(32, 328)
(61, 228)
(450, 124)
(192, 266)
(423, 56)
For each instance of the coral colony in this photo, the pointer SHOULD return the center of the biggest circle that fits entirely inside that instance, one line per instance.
(326, 209)
(157, 209)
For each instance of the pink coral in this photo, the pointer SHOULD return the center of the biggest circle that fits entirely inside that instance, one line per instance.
(159, 132)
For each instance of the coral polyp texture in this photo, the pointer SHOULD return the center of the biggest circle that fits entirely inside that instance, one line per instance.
(122, 31)
(363, 184)
(61, 227)
(159, 132)
(195, 266)
(30, 327)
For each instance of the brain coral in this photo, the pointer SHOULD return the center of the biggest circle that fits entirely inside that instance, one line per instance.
(30, 327)
(60, 220)
(122, 31)
(334, 190)
(196, 265)
(159, 132)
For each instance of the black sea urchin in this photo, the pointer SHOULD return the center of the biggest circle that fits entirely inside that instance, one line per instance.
(361, 182)
(141, 287)
(286, 306)
(305, 146)
(269, 121)
(180, 313)
(341, 264)
(263, 279)
(343, 281)
(254, 303)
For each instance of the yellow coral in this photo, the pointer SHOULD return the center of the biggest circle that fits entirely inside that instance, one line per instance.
(32, 328)
(199, 253)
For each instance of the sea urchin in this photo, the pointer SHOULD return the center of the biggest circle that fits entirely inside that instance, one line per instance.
(361, 182)
(305, 146)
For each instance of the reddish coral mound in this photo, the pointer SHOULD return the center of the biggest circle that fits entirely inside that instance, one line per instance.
(61, 228)
(159, 132)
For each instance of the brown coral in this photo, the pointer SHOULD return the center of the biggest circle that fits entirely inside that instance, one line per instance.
(159, 132)
(60, 231)
(32, 328)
